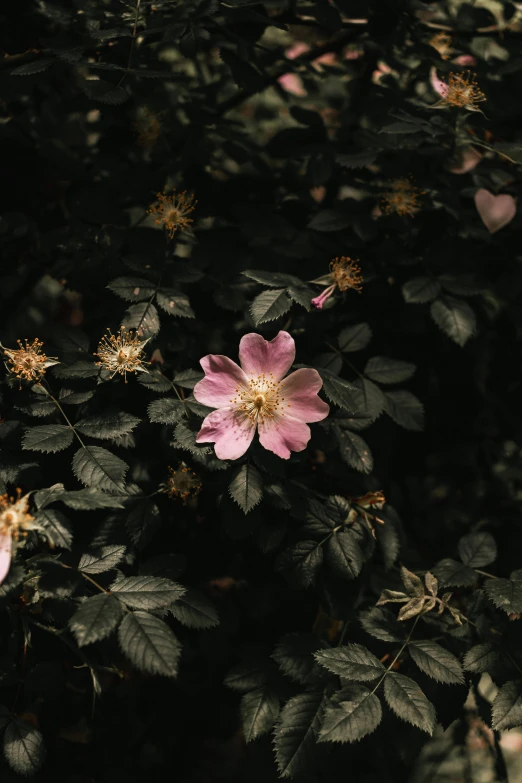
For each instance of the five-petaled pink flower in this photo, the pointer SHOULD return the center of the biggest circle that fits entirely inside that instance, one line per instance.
(258, 396)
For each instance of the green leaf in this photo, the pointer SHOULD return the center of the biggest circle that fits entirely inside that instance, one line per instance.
(246, 487)
(507, 706)
(436, 662)
(301, 562)
(143, 522)
(408, 702)
(146, 592)
(455, 318)
(369, 399)
(296, 733)
(23, 747)
(44, 497)
(354, 338)
(96, 467)
(506, 594)
(188, 378)
(104, 559)
(270, 305)
(450, 573)
(405, 409)
(420, 290)
(330, 220)
(247, 677)
(352, 713)
(149, 644)
(56, 526)
(338, 391)
(49, 438)
(71, 397)
(133, 289)
(144, 319)
(166, 411)
(322, 517)
(28, 69)
(194, 610)
(344, 555)
(272, 279)
(354, 450)
(302, 295)
(103, 91)
(175, 303)
(382, 369)
(95, 619)
(109, 425)
(481, 658)
(90, 499)
(294, 656)
(351, 661)
(259, 710)
(477, 549)
(382, 624)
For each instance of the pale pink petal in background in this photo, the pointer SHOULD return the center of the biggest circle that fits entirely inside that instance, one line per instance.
(283, 435)
(231, 431)
(299, 392)
(466, 160)
(258, 355)
(291, 82)
(296, 50)
(465, 60)
(495, 211)
(5, 555)
(438, 85)
(222, 377)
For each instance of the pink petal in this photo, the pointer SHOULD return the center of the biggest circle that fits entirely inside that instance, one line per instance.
(495, 211)
(258, 356)
(318, 301)
(439, 86)
(300, 394)
(222, 377)
(292, 83)
(5, 555)
(230, 430)
(465, 59)
(466, 160)
(283, 435)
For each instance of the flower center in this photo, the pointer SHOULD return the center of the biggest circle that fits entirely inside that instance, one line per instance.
(261, 399)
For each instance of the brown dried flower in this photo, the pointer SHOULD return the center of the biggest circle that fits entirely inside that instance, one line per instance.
(403, 198)
(173, 210)
(183, 483)
(28, 362)
(121, 353)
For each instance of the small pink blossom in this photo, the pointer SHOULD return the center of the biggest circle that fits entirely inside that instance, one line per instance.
(256, 395)
(318, 301)
(292, 83)
(495, 211)
(466, 160)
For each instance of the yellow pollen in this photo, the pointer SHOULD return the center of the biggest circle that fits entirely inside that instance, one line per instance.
(173, 211)
(463, 91)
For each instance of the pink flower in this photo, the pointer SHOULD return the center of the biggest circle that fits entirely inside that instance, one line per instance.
(256, 395)
(318, 301)
(14, 521)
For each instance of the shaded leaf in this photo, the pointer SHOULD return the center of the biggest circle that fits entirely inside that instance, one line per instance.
(23, 747)
(146, 592)
(408, 702)
(506, 594)
(259, 710)
(353, 713)
(420, 290)
(95, 618)
(297, 732)
(436, 662)
(194, 610)
(344, 555)
(351, 661)
(96, 467)
(507, 706)
(270, 305)
(149, 644)
(338, 391)
(105, 559)
(477, 549)
(49, 438)
(246, 487)
(294, 656)
(354, 338)
(385, 370)
(354, 450)
(405, 409)
(455, 318)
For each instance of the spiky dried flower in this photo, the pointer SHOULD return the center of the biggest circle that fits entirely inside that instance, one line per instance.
(403, 198)
(182, 483)
(345, 273)
(28, 362)
(173, 211)
(121, 353)
(442, 42)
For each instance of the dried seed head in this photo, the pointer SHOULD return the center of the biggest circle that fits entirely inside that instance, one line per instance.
(173, 211)
(183, 483)
(403, 198)
(442, 43)
(463, 91)
(121, 353)
(28, 363)
(14, 519)
(346, 273)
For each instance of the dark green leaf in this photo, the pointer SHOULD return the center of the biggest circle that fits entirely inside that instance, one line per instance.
(344, 555)
(194, 610)
(70, 397)
(90, 499)
(405, 409)
(408, 702)
(272, 279)
(175, 303)
(149, 644)
(507, 706)
(455, 318)
(259, 710)
(351, 661)
(44, 497)
(96, 467)
(103, 91)
(270, 305)
(104, 559)
(28, 69)
(322, 517)
(296, 733)
(339, 391)
(56, 526)
(23, 747)
(477, 549)
(143, 318)
(294, 656)
(168, 410)
(247, 677)
(188, 378)
(385, 370)
(354, 338)
(419, 290)
(481, 658)
(107, 426)
(506, 594)
(133, 289)
(143, 522)
(450, 573)
(382, 624)
(436, 662)
(330, 220)
(146, 592)
(354, 450)
(95, 618)
(246, 487)
(353, 713)
(302, 562)
(369, 399)
(49, 438)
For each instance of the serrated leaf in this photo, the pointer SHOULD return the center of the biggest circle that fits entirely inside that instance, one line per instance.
(247, 677)
(451, 573)
(405, 409)
(382, 369)
(105, 559)
(351, 661)
(354, 338)
(103, 91)
(330, 220)
(382, 624)
(302, 295)
(272, 279)
(358, 159)
(56, 526)
(506, 594)
(436, 662)
(408, 702)
(477, 549)
(246, 487)
(194, 610)
(175, 303)
(107, 426)
(338, 391)
(144, 319)
(455, 318)
(166, 411)
(71, 397)
(44, 497)
(23, 747)
(133, 289)
(95, 618)
(294, 656)
(49, 438)
(344, 555)
(369, 399)
(507, 706)
(351, 715)
(188, 378)
(354, 450)
(270, 305)
(149, 644)
(146, 592)
(28, 69)
(297, 731)
(90, 499)
(481, 658)
(302, 562)
(322, 517)
(143, 522)
(420, 290)
(259, 710)
(96, 467)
